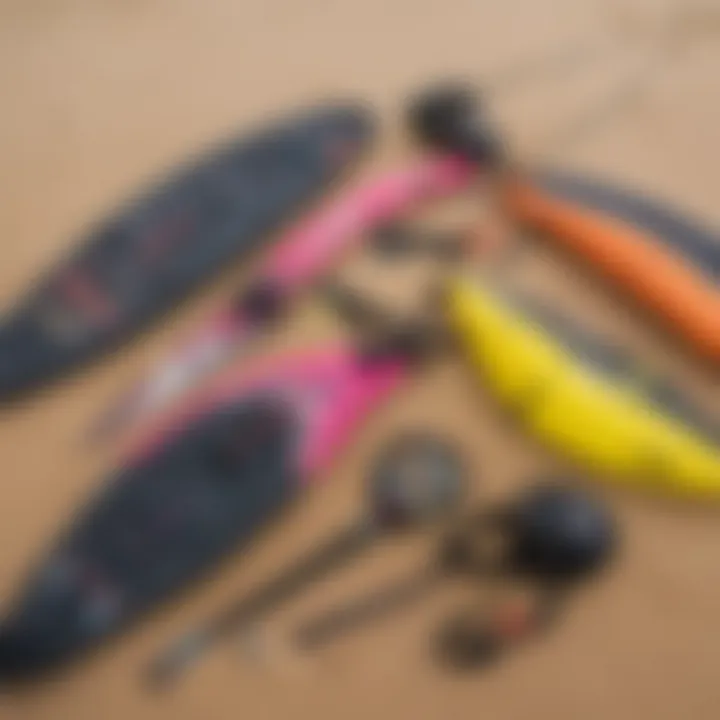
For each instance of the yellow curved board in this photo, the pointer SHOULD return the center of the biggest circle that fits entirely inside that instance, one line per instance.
(609, 428)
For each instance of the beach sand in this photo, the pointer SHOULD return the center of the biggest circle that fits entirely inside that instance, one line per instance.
(99, 96)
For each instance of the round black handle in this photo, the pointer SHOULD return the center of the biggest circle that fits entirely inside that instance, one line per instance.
(449, 117)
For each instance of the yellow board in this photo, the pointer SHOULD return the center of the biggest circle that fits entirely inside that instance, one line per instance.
(610, 428)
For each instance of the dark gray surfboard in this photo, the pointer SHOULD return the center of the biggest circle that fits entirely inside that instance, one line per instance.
(155, 250)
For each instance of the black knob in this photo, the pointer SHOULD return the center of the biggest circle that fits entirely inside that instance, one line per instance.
(561, 533)
(449, 117)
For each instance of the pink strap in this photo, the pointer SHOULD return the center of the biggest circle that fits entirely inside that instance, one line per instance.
(311, 247)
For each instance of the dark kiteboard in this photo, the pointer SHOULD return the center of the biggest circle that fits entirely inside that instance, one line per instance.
(157, 249)
(201, 482)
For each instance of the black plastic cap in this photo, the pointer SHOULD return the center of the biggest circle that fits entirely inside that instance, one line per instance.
(449, 117)
(562, 533)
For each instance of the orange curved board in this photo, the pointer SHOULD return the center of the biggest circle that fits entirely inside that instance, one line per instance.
(657, 276)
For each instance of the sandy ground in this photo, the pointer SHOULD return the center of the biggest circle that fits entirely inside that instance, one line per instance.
(98, 96)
